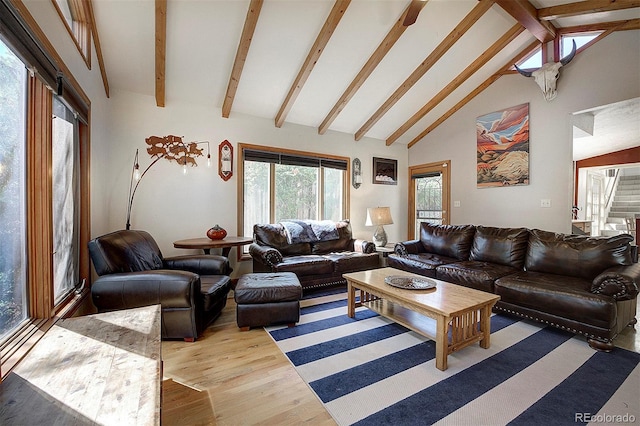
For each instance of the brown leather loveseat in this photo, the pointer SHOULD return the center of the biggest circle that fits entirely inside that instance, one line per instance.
(316, 262)
(586, 285)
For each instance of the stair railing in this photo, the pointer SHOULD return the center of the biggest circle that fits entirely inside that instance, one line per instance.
(610, 192)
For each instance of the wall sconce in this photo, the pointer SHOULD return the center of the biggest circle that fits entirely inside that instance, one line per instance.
(356, 173)
(225, 160)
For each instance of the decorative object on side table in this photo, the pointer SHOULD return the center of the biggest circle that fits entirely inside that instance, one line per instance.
(356, 173)
(378, 217)
(225, 160)
(216, 233)
(171, 148)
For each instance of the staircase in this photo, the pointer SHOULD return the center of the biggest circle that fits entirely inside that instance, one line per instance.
(626, 203)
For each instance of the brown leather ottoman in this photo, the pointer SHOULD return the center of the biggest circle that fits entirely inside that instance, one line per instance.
(267, 298)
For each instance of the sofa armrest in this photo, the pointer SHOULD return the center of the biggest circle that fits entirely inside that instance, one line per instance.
(264, 254)
(171, 289)
(408, 247)
(363, 246)
(201, 264)
(619, 282)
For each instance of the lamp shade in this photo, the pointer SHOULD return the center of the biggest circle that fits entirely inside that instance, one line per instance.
(378, 216)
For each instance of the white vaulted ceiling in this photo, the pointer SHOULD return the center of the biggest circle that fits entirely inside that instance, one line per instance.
(202, 38)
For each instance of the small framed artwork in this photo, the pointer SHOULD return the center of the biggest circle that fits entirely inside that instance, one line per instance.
(385, 171)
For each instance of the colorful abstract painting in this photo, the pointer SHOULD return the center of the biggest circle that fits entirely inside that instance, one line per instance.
(503, 147)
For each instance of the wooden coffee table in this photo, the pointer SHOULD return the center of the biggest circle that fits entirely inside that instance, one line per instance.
(462, 315)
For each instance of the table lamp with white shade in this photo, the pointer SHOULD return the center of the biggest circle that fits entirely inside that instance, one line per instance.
(378, 217)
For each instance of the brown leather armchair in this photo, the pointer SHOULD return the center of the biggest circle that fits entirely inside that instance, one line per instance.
(192, 289)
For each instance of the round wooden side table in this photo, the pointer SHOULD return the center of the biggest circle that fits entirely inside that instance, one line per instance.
(206, 244)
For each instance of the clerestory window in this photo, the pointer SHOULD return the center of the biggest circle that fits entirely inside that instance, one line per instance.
(75, 16)
(534, 60)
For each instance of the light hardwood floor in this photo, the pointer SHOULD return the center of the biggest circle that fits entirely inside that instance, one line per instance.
(229, 377)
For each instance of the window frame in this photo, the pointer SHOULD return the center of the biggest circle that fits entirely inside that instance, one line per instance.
(346, 183)
(43, 312)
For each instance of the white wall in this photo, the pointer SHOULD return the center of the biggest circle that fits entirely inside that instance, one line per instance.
(174, 206)
(605, 73)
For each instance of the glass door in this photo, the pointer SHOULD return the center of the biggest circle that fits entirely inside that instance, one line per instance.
(428, 196)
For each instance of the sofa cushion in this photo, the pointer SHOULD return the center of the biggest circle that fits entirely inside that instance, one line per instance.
(564, 297)
(352, 261)
(473, 273)
(447, 240)
(576, 255)
(343, 243)
(305, 265)
(423, 264)
(274, 235)
(503, 246)
(213, 289)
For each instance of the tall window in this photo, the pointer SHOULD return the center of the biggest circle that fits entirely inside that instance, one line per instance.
(279, 184)
(44, 177)
(13, 284)
(65, 199)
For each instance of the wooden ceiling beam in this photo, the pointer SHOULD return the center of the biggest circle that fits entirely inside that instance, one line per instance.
(488, 82)
(385, 46)
(161, 49)
(96, 42)
(464, 25)
(610, 27)
(336, 14)
(584, 7)
(630, 24)
(250, 23)
(526, 13)
(496, 47)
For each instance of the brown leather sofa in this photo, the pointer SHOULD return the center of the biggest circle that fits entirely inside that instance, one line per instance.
(192, 289)
(586, 285)
(317, 263)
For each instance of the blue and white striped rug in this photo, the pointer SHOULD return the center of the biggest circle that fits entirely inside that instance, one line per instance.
(369, 370)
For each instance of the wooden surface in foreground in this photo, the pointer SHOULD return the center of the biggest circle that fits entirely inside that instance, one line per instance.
(229, 377)
(96, 369)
